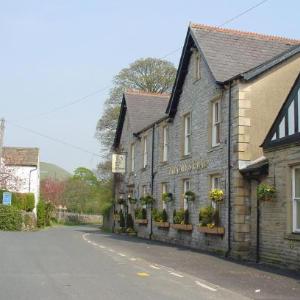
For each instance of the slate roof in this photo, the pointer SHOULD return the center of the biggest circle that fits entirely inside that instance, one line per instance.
(231, 52)
(16, 156)
(143, 109)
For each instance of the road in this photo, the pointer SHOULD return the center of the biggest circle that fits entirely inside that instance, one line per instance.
(83, 263)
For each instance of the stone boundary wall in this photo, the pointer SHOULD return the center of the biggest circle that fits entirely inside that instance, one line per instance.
(78, 218)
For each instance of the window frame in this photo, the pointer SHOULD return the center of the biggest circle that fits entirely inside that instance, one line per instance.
(187, 142)
(165, 140)
(132, 157)
(295, 200)
(145, 151)
(216, 124)
(164, 189)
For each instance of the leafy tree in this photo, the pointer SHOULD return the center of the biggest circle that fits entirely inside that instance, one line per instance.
(149, 75)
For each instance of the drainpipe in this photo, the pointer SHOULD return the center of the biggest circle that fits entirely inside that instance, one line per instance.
(152, 179)
(257, 227)
(30, 177)
(229, 171)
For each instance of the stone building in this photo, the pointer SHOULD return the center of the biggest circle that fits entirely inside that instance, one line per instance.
(229, 88)
(276, 221)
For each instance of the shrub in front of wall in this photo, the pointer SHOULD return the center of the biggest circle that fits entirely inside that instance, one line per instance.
(178, 216)
(122, 219)
(164, 216)
(41, 214)
(129, 221)
(10, 218)
(49, 213)
(23, 201)
(186, 217)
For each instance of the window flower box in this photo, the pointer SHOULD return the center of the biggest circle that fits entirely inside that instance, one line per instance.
(212, 230)
(162, 224)
(183, 227)
(141, 221)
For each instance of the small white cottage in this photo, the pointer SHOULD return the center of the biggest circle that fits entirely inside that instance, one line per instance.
(21, 170)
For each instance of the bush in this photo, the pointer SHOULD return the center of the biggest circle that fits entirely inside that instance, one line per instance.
(41, 214)
(140, 213)
(129, 221)
(206, 214)
(10, 218)
(23, 201)
(178, 216)
(164, 216)
(159, 215)
(122, 219)
(49, 213)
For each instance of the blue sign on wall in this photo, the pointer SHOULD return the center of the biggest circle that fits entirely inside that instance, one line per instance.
(6, 198)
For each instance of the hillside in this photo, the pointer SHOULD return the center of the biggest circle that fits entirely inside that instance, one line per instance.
(53, 171)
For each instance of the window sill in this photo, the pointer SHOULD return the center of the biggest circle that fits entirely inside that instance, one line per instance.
(144, 169)
(183, 157)
(292, 236)
(215, 148)
(163, 163)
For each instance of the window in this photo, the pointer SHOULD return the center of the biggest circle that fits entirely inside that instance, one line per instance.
(186, 187)
(197, 66)
(216, 120)
(187, 134)
(164, 189)
(145, 153)
(296, 199)
(165, 144)
(132, 150)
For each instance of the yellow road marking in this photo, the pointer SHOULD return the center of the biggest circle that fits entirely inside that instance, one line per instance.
(143, 274)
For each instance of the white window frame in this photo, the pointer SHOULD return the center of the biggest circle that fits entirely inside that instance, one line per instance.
(186, 187)
(296, 200)
(216, 123)
(145, 152)
(187, 134)
(165, 144)
(144, 194)
(132, 156)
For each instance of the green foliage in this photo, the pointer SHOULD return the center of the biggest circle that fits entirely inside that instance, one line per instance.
(265, 192)
(167, 197)
(190, 196)
(149, 75)
(209, 216)
(159, 215)
(178, 216)
(147, 200)
(23, 201)
(216, 195)
(129, 221)
(122, 219)
(140, 213)
(84, 193)
(49, 213)
(186, 217)
(10, 218)
(41, 214)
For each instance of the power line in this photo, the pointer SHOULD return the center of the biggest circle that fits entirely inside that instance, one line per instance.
(54, 139)
(82, 99)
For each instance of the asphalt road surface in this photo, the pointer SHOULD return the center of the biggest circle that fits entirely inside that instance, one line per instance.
(84, 263)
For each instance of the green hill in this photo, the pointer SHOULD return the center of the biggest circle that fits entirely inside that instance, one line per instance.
(53, 171)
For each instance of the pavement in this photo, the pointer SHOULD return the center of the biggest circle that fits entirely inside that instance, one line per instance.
(81, 262)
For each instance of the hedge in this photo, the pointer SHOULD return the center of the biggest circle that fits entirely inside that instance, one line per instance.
(10, 218)
(22, 201)
(41, 214)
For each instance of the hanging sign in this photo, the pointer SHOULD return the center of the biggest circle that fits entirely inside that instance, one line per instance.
(118, 163)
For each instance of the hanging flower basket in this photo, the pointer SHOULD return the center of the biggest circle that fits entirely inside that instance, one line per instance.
(147, 200)
(189, 196)
(216, 195)
(266, 192)
(121, 201)
(132, 200)
(167, 197)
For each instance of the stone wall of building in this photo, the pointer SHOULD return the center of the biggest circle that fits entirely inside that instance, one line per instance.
(278, 244)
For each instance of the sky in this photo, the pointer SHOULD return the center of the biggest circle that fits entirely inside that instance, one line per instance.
(56, 52)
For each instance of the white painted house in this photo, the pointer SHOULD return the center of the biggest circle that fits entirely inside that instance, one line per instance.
(21, 170)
